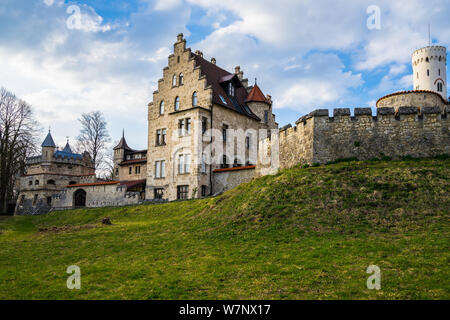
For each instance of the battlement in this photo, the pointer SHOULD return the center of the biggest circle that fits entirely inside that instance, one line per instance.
(319, 137)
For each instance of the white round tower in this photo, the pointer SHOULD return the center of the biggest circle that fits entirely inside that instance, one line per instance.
(430, 70)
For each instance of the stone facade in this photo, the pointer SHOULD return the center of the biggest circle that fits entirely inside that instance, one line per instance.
(195, 98)
(412, 98)
(318, 138)
(225, 179)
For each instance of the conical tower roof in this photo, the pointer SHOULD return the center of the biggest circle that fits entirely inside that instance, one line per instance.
(67, 148)
(123, 143)
(256, 95)
(48, 142)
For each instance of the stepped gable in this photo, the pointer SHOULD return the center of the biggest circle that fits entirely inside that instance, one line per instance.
(216, 77)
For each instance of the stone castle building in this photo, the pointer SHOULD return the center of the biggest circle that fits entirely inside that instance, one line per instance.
(209, 131)
(195, 98)
(50, 173)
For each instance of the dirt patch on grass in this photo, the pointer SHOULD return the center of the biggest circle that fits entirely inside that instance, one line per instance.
(55, 229)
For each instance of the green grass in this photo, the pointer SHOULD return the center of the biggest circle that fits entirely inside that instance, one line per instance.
(306, 233)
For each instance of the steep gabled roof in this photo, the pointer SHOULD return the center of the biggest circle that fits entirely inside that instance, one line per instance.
(256, 95)
(215, 77)
(48, 142)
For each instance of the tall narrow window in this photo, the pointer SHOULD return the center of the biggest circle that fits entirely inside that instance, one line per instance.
(158, 169)
(266, 117)
(161, 107)
(163, 136)
(181, 79)
(439, 71)
(428, 72)
(203, 167)
(163, 169)
(187, 163)
(188, 126)
(204, 124)
(181, 164)
(224, 132)
(177, 103)
(230, 90)
(174, 80)
(130, 170)
(158, 137)
(439, 87)
(181, 127)
(194, 99)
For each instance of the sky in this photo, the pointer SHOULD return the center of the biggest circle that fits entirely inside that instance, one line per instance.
(70, 57)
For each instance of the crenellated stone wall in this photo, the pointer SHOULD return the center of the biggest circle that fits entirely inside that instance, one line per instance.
(319, 138)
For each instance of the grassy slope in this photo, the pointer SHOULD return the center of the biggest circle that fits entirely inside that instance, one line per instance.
(304, 233)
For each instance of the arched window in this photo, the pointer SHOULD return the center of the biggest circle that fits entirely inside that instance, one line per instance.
(180, 82)
(52, 182)
(177, 103)
(440, 58)
(439, 87)
(427, 59)
(161, 107)
(36, 182)
(174, 80)
(194, 99)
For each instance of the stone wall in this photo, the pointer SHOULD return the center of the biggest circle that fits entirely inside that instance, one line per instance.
(412, 98)
(226, 179)
(411, 131)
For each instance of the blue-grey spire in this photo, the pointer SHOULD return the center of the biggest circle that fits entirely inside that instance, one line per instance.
(48, 142)
(67, 147)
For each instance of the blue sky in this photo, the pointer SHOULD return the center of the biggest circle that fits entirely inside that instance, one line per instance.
(307, 54)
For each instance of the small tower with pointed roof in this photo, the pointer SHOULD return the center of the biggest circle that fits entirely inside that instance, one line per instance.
(261, 105)
(119, 154)
(48, 147)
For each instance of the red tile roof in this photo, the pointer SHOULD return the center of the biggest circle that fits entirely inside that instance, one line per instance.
(104, 183)
(256, 95)
(123, 163)
(235, 169)
(411, 91)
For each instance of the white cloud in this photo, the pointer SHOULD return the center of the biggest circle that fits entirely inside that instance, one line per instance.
(164, 5)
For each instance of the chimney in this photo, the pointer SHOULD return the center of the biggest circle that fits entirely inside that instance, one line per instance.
(245, 84)
(269, 97)
(199, 53)
(213, 60)
(239, 73)
(180, 37)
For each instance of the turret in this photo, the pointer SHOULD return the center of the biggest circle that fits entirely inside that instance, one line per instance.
(48, 148)
(430, 70)
(260, 105)
(119, 154)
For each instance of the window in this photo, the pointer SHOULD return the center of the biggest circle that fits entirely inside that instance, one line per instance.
(236, 163)
(52, 182)
(137, 169)
(30, 183)
(130, 170)
(184, 163)
(194, 99)
(35, 199)
(248, 142)
(224, 162)
(161, 107)
(160, 169)
(49, 201)
(181, 127)
(204, 125)
(204, 188)
(224, 132)
(182, 192)
(71, 183)
(177, 103)
(223, 100)
(428, 72)
(180, 82)
(203, 166)
(36, 182)
(427, 59)
(230, 90)
(163, 136)
(159, 193)
(188, 126)
(439, 87)
(158, 137)
(117, 172)
(178, 59)
(174, 80)
(266, 117)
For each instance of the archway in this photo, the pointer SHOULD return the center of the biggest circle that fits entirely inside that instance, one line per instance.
(79, 198)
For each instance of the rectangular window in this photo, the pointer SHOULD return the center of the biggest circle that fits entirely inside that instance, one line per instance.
(248, 142)
(130, 170)
(181, 164)
(224, 132)
(137, 170)
(158, 137)
(188, 126)
(224, 162)
(181, 127)
(158, 193)
(157, 169)
(204, 124)
(182, 192)
(163, 136)
(204, 188)
(117, 172)
(266, 117)
(187, 161)
(203, 167)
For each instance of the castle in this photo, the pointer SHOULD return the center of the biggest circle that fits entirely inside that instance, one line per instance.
(209, 131)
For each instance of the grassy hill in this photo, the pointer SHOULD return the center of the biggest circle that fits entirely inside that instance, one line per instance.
(306, 233)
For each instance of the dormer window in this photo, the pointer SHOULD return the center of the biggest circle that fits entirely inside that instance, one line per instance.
(230, 90)
(222, 99)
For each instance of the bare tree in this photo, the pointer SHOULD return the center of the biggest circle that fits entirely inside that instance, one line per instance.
(18, 132)
(94, 136)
